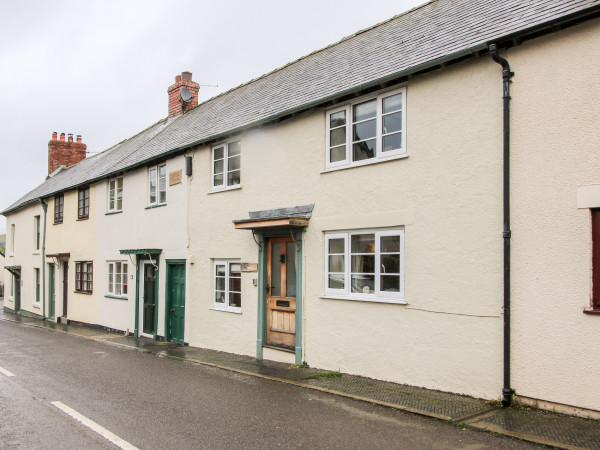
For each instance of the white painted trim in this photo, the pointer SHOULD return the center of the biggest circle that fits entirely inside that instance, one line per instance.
(588, 196)
(143, 265)
(225, 147)
(224, 307)
(111, 437)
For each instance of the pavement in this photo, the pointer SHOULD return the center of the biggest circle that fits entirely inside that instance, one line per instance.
(538, 426)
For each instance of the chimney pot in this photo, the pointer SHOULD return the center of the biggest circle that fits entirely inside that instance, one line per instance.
(62, 136)
(70, 137)
(176, 105)
(187, 76)
(177, 78)
(79, 139)
(54, 136)
(61, 153)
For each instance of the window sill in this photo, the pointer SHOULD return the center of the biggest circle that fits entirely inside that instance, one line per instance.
(57, 223)
(83, 292)
(155, 206)
(82, 218)
(36, 305)
(368, 300)
(361, 164)
(110, 213)
(226, 310)
(35, 252)
(116, 297)
(232, 188)
(592, 311)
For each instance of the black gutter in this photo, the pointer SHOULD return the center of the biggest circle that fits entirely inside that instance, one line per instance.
(507, 391)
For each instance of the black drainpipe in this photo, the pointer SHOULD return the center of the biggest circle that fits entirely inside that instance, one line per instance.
(507, 391)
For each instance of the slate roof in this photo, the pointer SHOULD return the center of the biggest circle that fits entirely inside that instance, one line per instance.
(436, 32)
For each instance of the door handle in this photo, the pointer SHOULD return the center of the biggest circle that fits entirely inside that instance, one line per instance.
(172, 310)
(268, 288)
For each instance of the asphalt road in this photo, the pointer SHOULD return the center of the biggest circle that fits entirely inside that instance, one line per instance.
(151, 402)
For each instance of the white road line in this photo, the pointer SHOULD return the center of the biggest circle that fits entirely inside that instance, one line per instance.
(6, 372)
(121, 443)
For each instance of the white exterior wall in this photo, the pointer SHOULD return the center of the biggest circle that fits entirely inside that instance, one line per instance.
(447, 197)
(140, 227)
(25, 255)
(555, 148)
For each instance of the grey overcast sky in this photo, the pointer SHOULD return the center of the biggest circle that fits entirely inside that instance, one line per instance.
(101, 68)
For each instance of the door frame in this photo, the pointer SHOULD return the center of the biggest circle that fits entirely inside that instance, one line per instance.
(264, 236)
(169, 264)
(140, 302)
(16, 281)
(64, 289)
(142, 256)
(51, 290)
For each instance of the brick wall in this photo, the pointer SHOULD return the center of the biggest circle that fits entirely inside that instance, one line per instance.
(176, 105)
(63, 152)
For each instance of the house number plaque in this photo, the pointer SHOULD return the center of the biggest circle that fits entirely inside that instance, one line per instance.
(174, 177)
(249, 267)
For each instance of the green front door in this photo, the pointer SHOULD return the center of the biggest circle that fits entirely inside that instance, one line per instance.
(17, 287)
(51, 291)
(149, 300)
(175, 315)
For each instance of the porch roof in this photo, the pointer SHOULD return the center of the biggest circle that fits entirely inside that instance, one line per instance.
(293, 216)
(141, 251)
(15, 270)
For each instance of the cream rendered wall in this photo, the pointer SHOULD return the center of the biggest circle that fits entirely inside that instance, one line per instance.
(555, 150)
(25, 255)
(139, 227)
(76, 237)
(447, 197)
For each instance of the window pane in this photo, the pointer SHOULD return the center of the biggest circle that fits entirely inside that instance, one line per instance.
(363, 243)
(220, 297)
(338, 154)
(235, 269)
(233, 178)
(220, 270)
(336, 263)
(218, 166)
(363, 150)
(235, 284)
(390, 263)
(336, 281)
(163, 195)
(365, 110)
(390, 283)
(233, 163)
(365, 130)
(234, 148)
(220, 283)
(363, 264)
(218, 181)
(290, 270)
(235, 299)
(276, 269)
(392, 142)
(363, 284)
(392, 103)
(162, 171)
(392, 123)
(390, 244)
(219, 153)
(337, 119)
(336, 245)
(337, 137)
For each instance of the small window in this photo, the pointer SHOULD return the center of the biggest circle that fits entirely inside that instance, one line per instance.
(596, 259)
(227, 165)
(59, 202)
(365, 265)
(117, 278)
(36, 232)
(228, 285)
(157, 185)
(84, 276)
(36, 277)
(83, 203)
(12, 238)
(115, 194)
(370, 130)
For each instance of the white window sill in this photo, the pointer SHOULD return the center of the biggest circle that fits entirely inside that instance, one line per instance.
(396, 301)
(366, 162)
(226, 310)
(232, 188)
(36, 305)
(36, 252)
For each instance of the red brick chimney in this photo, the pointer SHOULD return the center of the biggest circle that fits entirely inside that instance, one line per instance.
(177, 105)
(64, 153)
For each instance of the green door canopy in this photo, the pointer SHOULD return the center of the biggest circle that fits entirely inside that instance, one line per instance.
(15, 270)
(141, 251)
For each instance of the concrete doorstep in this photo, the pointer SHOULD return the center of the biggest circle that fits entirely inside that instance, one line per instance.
(542, 427)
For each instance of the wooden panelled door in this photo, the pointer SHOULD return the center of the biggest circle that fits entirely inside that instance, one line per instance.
(281, 292)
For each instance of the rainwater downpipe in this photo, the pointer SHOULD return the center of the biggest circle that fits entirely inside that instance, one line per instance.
(507, 391)
(45, 208)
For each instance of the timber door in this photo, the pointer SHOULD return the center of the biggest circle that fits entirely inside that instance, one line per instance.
(175, 302)
(17, 288)
(51, 291)
(65, 287)
(281, 292)
(148, 303)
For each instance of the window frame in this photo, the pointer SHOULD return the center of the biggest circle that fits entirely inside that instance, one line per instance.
(346, 292)
(80, 283)
(36, 233)
(59, 208)
(115, 195)
(13, 230)
(112, 285)
(226, 306)
(158, 191)
(380, 156)
(83, 204)
(226, 171)
(36, 285)
(595, 297)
